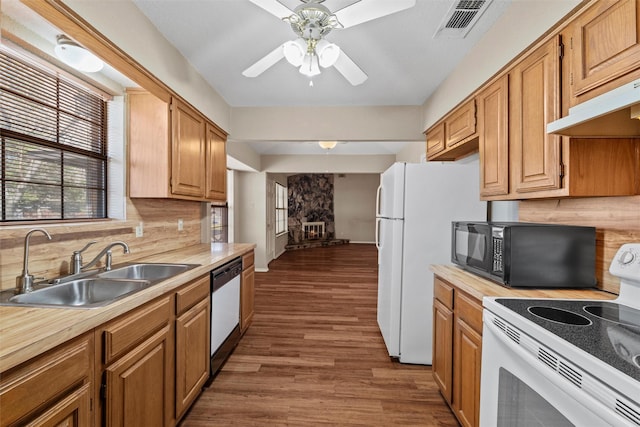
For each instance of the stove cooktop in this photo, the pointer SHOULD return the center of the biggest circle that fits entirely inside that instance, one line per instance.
(606, 330)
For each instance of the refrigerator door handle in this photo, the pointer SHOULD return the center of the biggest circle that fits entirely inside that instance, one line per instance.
(378, 220)
(378, 193)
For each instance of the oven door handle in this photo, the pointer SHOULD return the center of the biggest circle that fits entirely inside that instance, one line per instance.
(548, 372)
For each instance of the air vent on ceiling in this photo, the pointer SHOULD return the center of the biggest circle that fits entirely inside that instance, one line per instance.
(461, 18)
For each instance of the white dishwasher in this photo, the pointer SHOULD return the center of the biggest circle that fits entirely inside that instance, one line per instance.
(225, 312)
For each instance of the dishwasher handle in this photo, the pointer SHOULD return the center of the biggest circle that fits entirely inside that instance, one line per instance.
(223, 275)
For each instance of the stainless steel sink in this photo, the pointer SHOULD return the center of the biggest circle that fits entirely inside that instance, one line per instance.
(95, 289)
(85, 293)
(146, 271)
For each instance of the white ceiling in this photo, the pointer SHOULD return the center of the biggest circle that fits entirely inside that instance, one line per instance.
(403, 61)
(221, 38)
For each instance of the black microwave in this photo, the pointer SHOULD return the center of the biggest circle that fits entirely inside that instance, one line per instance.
(519, 254)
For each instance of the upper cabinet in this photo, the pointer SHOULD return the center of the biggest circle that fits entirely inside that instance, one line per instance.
(493, 130)
(174, 152)
(605, 48)
(534, 101)
(455, 136)
(594, 51)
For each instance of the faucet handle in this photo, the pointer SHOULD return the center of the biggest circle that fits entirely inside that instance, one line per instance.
(93, 242)
(76, 258)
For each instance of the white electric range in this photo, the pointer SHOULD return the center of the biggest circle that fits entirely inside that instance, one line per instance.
(555, 362)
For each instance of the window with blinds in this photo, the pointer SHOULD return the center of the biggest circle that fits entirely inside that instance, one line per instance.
(53, 152)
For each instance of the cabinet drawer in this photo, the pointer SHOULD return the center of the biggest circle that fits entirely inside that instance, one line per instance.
(192, 293)
(469, 310)
(125, 332)
(443, 292)
(247, 260)
(34, 385)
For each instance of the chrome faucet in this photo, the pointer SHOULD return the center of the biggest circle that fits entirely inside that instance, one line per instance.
(24, 282)
(77, 260)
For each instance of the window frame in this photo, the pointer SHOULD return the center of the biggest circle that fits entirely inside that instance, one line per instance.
(18, 132)
(281, 210)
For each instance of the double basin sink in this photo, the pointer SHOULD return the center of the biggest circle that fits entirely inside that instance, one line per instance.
(96, 289)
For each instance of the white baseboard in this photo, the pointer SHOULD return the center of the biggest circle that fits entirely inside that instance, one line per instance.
(261, 270)
(361, 242)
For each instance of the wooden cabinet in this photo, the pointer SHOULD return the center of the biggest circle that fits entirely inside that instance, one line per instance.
(193, 336)
(454, 136)
(604, 48)
(53, 389)
(247, 291)
(442, 363)
(457, 350)
(493, 130)
(137, 355)
(534, 101)
(435, 140)
(216, 165)
(174, 152)
(188, 151)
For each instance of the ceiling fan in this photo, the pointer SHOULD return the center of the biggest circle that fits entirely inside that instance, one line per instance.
(311, 21)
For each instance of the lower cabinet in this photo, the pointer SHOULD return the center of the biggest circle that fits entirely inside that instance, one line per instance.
(143, 368)
(53, 389)
(247, 291)
(457, 350)
(137, 352)
(193, 336)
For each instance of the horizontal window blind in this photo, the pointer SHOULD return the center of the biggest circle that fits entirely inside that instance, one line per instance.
(53, 146)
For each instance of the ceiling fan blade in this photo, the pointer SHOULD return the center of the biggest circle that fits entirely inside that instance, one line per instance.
(350, 70)
(269, 60)
(367, 10)
(274, 7)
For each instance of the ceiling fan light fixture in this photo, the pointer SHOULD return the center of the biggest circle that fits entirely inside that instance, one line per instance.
(328, 53)
(76, 56)
(327, 145)
(294, 51)
(310, 66)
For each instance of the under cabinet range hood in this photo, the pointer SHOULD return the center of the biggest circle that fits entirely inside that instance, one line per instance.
(615, 113)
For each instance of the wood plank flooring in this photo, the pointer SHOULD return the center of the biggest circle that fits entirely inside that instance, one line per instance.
(314, 354)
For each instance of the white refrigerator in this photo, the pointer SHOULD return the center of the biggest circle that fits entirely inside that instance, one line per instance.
(415, 205)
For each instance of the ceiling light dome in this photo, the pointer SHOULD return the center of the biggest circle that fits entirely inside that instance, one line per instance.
(294, 51)
(76, 56)
(328, 53)
(310, 66)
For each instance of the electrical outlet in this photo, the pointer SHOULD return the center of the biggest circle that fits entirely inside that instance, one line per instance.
(139, 230)
(180, 224)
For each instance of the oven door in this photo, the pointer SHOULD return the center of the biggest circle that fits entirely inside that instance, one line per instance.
(519, 390)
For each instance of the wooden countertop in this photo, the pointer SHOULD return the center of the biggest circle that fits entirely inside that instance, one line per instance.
(479, 287)
(26, 332)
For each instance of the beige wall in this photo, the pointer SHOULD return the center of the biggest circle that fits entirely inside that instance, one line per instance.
(327, 163)
(125, 25)
(354, 206)
(251, 213)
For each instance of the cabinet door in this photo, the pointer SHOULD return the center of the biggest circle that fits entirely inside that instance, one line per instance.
(137, 387)
(605, 44)
(534, 96)
(72, 411)
(54, 386)
(467, 358)
(188, 151)
(435, 140)
(247, 291)
(460, 124)
(192, 354)
(493, 129)
(442, 348)
(216, 181)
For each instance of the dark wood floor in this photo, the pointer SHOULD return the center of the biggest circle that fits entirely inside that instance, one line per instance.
(314, 354)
